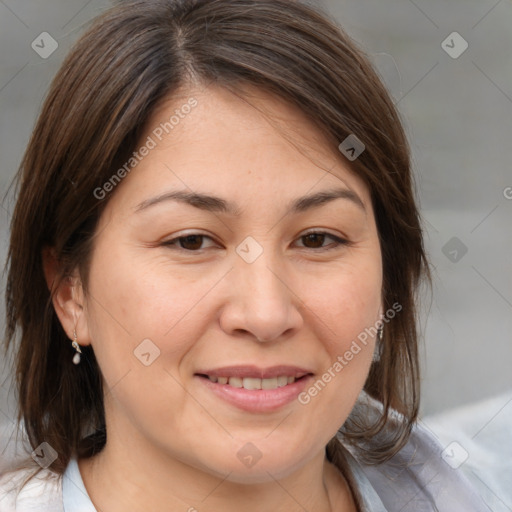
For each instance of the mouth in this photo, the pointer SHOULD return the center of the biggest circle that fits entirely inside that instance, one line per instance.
(256, 389)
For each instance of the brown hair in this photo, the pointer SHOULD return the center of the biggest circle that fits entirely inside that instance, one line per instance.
(131, 59)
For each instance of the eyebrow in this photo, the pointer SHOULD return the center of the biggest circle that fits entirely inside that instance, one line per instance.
(218, 205)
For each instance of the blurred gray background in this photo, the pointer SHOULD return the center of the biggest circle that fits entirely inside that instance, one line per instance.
(456, 103)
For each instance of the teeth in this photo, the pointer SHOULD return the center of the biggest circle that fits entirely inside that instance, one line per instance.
(252, 383)
(282, 381)
(269, 383)
(236, 382)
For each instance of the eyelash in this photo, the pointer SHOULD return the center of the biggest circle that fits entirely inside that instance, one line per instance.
(173, 243)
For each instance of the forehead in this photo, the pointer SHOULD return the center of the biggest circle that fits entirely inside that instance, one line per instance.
(213, 139)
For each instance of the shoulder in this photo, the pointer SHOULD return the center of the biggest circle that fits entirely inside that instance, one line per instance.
(27, 490)
(420, 477)
(476, 440)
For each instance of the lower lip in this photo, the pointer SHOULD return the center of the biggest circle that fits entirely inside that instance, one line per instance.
(257, 400)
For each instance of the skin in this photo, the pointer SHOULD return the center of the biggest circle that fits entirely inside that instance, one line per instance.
(172, 444)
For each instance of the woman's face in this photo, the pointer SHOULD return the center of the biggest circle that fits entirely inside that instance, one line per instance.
(230, 259)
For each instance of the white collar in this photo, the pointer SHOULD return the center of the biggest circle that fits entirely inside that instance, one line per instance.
(74, 493)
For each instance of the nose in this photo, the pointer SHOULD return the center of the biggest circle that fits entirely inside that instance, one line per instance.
(261, 302)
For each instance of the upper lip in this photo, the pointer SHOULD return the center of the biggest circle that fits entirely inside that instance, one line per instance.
(256, 372)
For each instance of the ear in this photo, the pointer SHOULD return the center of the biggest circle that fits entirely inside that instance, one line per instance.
(67, 297)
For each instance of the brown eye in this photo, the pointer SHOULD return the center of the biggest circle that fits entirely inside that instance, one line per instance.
(191, 242)
(314, 240)
(318, 241)
(194, 242)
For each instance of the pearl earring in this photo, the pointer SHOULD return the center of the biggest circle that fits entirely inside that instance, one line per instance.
(76, 346)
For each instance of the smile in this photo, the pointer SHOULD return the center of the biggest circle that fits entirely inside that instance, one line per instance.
(253, 389)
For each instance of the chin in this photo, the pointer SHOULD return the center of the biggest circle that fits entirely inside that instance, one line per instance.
(260, 473)
(252, 465)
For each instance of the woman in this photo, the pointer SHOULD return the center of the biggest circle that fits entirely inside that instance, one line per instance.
(213, 268)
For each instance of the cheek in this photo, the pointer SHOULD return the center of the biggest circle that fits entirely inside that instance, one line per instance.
(142, 297)
(348, 304)
(347, 308)
(143, 320)
(135, 308)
